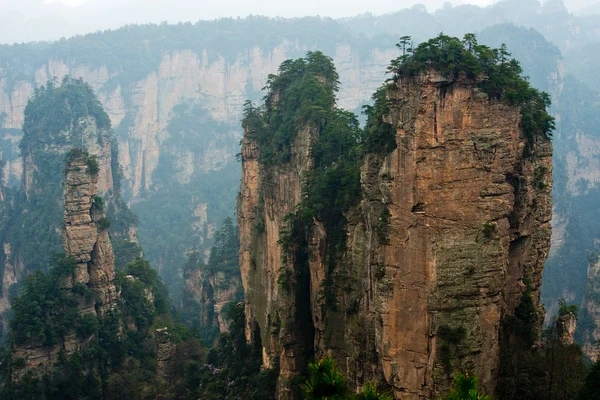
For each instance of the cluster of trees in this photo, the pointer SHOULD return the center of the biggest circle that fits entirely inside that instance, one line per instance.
(496, 73)
(45, 311)
(326, 382)
(550, 369)
(301, 97)
(118, 356)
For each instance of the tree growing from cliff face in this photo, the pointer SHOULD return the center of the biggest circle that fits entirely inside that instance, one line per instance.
(224, 253)
(325, 382)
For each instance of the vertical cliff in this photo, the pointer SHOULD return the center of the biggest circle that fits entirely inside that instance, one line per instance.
(469, 211)
(85, 235)
(417, 271)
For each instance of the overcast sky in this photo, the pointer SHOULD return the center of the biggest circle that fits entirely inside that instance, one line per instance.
(333, 8)
(28, 20)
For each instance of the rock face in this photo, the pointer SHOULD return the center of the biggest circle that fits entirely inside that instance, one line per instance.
(84, 236)
(565, 327)
(165, 351)
(590, 311)
(453, 226)
(210, 293)
(267, 196)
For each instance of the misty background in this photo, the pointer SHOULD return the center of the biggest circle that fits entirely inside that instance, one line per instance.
(36, 20)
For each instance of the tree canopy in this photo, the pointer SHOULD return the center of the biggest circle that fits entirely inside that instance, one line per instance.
(493, 69)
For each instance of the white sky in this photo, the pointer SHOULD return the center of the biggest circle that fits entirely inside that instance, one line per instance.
(332, 8)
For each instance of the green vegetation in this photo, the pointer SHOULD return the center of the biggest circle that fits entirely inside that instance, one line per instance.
(224, 253)
(380, 135)
(326, 382)
(548, 370)
(45, 311)
(301, 99)
(496, 73)
(566, 309)
(223, 259)
(525, 321)
(303, 92)
(233, 367)
(489, 230)
(103, 224)
(465, 387)
(116, 360)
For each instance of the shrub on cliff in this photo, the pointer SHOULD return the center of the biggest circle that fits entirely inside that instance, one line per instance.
(465, 387)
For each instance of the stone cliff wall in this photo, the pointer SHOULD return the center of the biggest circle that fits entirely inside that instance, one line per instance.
(267, 196)
(85, 238)
(453, 227)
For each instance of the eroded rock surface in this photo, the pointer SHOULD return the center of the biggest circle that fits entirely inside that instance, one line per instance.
(453, 227)
(84, 236)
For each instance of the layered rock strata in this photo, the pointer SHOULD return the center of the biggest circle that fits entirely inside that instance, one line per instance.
(452, 229)
(85, 235)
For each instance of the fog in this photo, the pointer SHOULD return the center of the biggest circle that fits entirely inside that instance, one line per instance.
(30, 20)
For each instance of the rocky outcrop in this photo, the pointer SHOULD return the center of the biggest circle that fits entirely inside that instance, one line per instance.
(222, 84)
(165, 352)
(210, 292)
(87, 242)
(85, 236)
(452, 229)
(589, 328)
(565, 328)
(142, 106)
(268, 195)
(37, 205)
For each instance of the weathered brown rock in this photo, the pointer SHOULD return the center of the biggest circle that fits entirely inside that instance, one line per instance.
(266, 197)
(83, 239)
(469, 229)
